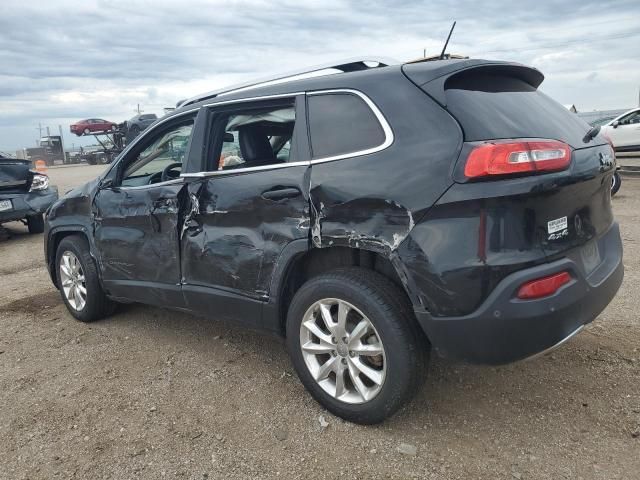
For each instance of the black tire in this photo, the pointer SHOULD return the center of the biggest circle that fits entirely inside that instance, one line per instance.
(387, 308)
(87, 131)
(35, 223)
(616, 181)
(97, 304)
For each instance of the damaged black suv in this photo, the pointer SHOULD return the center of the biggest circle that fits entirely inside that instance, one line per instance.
(367, 213)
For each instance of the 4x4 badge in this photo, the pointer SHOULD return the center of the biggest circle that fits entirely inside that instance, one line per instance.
(557, 228)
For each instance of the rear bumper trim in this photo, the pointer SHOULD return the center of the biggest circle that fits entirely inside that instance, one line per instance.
(553, 347)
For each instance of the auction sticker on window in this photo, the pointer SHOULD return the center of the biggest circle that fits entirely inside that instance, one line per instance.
(557, 225)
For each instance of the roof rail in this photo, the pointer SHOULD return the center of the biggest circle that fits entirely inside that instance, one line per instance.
(344, 66)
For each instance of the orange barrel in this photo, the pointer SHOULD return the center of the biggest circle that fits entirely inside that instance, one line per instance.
(41, 166)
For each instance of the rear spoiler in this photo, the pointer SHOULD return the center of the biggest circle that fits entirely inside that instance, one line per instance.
(435, 77)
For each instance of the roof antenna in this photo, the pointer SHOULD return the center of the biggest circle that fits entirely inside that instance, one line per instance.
(447, 42)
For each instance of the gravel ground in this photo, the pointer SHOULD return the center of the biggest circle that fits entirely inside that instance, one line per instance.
(150, 393)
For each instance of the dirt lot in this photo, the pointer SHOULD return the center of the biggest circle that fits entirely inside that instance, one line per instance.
(150, 393)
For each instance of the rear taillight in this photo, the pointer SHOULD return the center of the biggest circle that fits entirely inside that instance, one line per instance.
(517, 157)
(543, 287)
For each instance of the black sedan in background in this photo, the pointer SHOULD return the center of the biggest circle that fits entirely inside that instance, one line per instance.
(140, 122)
(24, 193)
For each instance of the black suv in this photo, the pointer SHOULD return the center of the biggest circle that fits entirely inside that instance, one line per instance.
(366, 214)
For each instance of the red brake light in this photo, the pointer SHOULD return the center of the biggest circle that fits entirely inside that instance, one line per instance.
(543, 287)
(509, 157)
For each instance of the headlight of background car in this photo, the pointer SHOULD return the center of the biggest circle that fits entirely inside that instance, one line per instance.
(39, 182)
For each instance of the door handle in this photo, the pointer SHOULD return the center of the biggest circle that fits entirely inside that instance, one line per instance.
(166, 203)
(280, 193)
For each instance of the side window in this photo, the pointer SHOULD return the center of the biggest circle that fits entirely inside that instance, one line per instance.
(342, 123)
(632, 118)
(255, 137)
(160, 156)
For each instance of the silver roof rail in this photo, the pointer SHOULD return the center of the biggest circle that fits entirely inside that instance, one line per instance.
(347, 65)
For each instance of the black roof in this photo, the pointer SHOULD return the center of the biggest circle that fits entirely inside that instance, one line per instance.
(421, 73)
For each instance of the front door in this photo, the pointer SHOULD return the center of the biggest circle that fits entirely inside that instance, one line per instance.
(137, 218)
(253, 202)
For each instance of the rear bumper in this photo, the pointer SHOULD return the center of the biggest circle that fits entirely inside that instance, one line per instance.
(506, 329)
(26, 204)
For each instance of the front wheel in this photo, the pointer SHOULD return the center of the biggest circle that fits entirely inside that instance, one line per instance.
(35, 223)
(78, 281)
(355, 344)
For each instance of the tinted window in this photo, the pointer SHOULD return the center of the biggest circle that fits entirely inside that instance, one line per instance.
(255, 137)
(490, 106)
(342, 123)
(632, 118)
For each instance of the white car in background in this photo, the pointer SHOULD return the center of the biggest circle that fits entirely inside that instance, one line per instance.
(624, 131)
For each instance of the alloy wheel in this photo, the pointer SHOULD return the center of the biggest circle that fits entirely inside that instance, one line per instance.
(72, 280)
(343, 351)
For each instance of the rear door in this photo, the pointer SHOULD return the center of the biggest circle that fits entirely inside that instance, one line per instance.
(250, 202)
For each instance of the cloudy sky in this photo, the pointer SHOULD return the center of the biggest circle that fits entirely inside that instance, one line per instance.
(61, 61)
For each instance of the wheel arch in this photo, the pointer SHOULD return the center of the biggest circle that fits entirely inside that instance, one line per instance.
(299, 263)
(54, 239)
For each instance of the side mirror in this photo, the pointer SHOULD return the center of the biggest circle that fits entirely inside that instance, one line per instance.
(107, 183)
(615, 124)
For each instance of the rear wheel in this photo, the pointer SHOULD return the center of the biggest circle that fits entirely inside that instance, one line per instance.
(78, 281)
(616, 181)
(355, 344)
(35, 223)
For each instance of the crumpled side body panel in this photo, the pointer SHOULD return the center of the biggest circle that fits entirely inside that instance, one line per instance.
(373, 201)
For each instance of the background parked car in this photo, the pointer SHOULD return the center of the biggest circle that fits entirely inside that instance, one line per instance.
(601, 121)
(138, 123)
(24, 194)
(92, 125)
(624, 131)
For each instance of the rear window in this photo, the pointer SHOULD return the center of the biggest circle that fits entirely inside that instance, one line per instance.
(490, 106)
(341, 124)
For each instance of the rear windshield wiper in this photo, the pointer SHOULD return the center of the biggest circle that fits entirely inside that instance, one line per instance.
(591, 134)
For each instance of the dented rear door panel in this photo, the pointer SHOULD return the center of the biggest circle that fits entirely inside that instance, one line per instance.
(232, 241)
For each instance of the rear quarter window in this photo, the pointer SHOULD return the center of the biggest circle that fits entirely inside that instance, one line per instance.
(342, 124)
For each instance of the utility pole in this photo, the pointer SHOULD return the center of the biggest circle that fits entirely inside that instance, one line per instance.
(424, 53)
(39, 130)
(138, 110)
(64, 155)
(48, 133)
